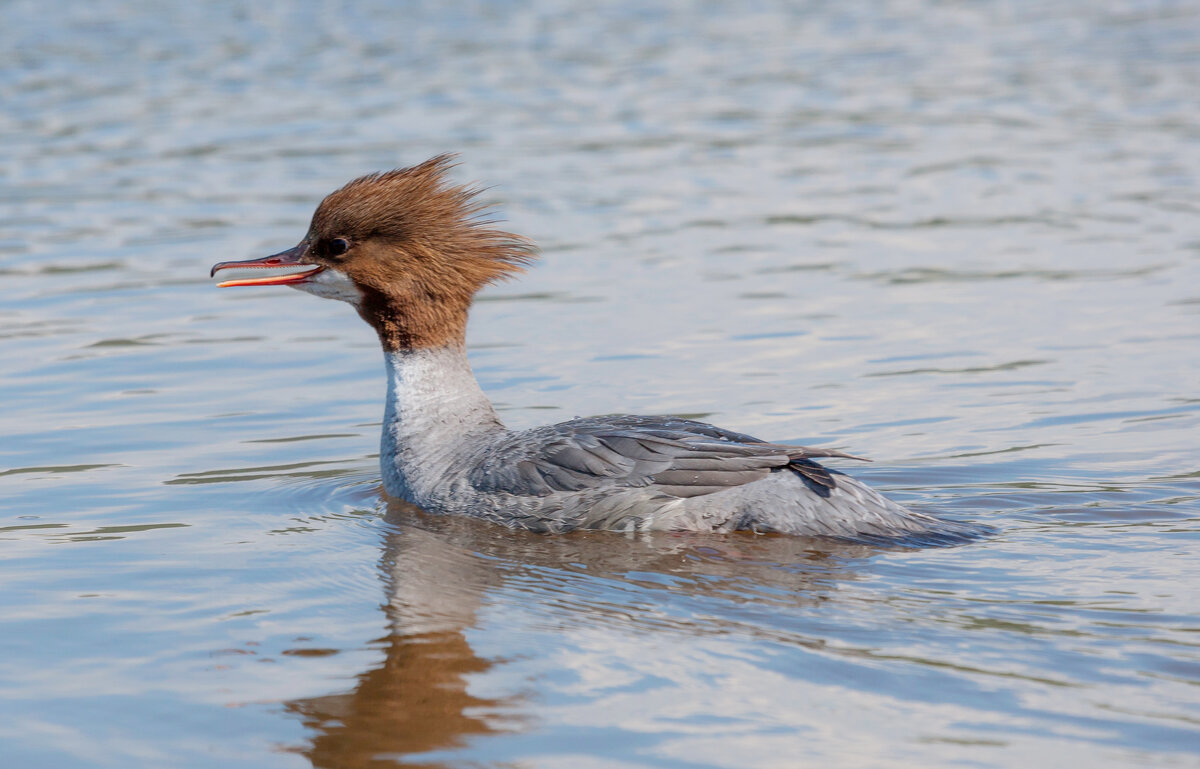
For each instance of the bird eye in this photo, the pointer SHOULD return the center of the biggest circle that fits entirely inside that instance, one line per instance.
(337, 247)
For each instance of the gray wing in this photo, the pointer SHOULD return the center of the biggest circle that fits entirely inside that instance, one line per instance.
(679, 457)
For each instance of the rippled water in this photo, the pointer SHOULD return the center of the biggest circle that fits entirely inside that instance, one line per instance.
(959, 238)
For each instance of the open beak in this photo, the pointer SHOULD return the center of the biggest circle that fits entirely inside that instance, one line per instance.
(286, 267)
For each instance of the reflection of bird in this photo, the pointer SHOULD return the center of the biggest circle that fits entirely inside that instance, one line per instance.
(415, 702)
(408, 250)
(417, 699)
(442, 573)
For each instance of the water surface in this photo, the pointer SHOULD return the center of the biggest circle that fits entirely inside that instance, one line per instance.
(958, 238)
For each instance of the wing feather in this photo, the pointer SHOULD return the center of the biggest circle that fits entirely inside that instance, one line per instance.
(679, 457)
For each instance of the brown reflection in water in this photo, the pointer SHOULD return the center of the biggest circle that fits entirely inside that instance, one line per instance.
(438, 571)
(417, 701)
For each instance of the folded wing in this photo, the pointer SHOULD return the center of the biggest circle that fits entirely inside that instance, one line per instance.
(678, 457)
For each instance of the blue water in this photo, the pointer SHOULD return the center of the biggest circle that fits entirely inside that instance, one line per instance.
(960, 239)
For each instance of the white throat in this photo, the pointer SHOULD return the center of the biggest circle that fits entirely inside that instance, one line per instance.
(332, 284)
(436, 412)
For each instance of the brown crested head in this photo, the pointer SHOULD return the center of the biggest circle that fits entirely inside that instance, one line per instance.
(417, 247)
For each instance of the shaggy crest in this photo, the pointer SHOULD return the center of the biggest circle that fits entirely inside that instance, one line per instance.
(421, 212)
(420, 247)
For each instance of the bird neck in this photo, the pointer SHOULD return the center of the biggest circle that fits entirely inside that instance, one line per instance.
(435, 411)
(408, 321)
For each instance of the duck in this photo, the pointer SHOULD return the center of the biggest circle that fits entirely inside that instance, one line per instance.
(409, 249)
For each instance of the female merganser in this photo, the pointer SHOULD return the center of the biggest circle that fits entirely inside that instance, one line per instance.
(408, 249)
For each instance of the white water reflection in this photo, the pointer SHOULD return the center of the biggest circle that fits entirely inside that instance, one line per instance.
(632, 651)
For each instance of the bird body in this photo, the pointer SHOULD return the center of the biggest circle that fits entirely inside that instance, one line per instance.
(407, 249)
